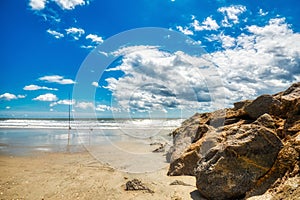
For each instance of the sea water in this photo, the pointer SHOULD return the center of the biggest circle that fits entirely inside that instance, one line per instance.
(27, 136)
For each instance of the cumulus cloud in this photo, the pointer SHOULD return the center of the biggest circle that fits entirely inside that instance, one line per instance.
(231, 14)
(207, 24)
(63, 4)
(95, 38)
(57, 79)
(55, 34)
(225, 40)
(85, 105)
(159, 80)
(70, 4)
(36, 87)
(76, 33)
(8, 96)
(264, 59)
(37, 4)
(46, 97)
(185, 30)
(261, 59)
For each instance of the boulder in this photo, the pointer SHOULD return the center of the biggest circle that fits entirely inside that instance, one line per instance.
(185, 135)
(195, 128)
(263, 104)
(243, 151)
(233, 167)
(188, 161)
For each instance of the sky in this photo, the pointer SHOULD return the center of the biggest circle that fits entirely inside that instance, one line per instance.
(143, 58)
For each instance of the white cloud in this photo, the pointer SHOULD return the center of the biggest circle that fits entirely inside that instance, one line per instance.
(262, 13)
(263, 60)
(207, 24)
(276, 27)
(85, 105)
(8, 96)
(95, 38)
(37, 4)
(21, 96)
(103, 53)
(103, 108)
(57, 79)
(185, 30)
(231, 14)
(63, 102)
(7, 107)
(46, 97)
(87, 47)
(226, 40)
(55, 34)
(96, 84)
(70, 4)
(159, 80)
(36, 87)
(76, 33)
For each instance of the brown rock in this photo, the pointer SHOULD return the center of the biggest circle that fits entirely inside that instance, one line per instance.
(266, 120)
(263, 104)
(186, 134)
(241, 104)
(238, 152)
(188, 161)
(232, 168)
(136, 184)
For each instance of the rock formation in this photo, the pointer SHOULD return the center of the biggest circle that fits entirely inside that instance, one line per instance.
(241, 151)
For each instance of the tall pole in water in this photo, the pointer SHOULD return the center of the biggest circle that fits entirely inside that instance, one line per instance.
(69, 111)
(69, 120)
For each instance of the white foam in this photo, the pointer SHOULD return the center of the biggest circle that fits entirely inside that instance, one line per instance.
(91, 124)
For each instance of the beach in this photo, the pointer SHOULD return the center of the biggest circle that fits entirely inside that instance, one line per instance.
(39, 161)
(80, 176)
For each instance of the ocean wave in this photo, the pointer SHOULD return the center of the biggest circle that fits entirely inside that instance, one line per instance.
(91, 124)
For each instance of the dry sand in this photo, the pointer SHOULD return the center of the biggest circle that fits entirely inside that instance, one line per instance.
(81, 176)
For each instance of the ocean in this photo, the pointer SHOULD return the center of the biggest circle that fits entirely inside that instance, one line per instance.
(24, 136)
(126, 144)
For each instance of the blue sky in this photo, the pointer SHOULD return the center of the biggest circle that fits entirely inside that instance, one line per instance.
(51, 49)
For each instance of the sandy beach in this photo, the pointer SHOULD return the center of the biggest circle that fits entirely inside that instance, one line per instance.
(81, 176)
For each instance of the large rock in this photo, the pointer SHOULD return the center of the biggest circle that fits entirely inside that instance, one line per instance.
(187, 162)
(261, 105)
(234, 166)
(234, 152)
(195, 128)
(186, 134)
